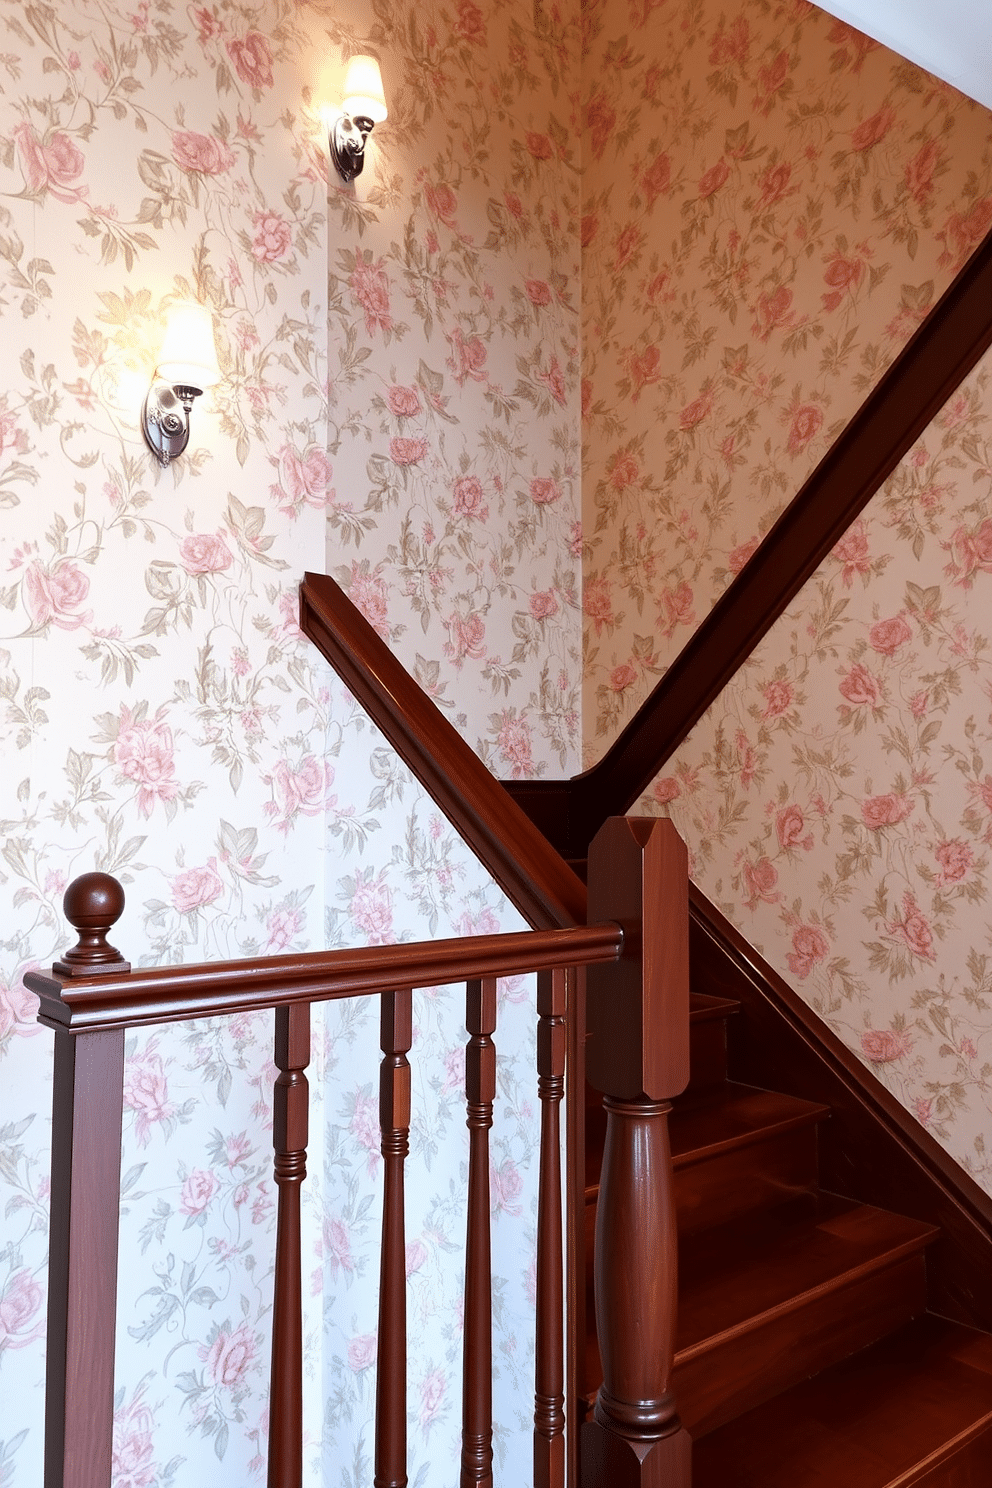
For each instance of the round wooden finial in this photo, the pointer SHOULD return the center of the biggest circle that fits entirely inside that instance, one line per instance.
(92, 903)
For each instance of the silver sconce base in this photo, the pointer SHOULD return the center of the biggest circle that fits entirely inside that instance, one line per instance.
(346, 143)
(165, 419)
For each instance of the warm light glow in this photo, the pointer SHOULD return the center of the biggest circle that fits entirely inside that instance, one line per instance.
(363, 95)
(188, 356)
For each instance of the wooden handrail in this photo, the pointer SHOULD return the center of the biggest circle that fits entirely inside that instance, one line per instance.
(524, 864)
(945, 348)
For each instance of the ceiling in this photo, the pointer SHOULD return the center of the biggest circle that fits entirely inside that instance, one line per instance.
(952, 38)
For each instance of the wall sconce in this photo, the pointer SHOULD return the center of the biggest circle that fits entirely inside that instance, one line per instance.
(363, 106)
(187, 364)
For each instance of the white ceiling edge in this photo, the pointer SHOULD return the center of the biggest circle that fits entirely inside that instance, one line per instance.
(952, 39)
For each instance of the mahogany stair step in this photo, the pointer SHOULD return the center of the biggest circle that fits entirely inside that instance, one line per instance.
(762, 1309)
(913, 1411)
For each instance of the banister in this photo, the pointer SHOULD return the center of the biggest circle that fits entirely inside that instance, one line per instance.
(524, 864)
(945, 348)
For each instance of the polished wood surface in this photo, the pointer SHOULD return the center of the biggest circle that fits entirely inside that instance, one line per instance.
(290, 1132)
(945, 348)
(525, 865)
(396, 1038)
(549, 1371)
(477, 1350)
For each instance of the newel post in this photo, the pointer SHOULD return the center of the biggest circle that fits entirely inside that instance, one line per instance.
(637, 1054)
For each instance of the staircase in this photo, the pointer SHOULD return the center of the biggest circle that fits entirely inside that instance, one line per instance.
(805, 1354)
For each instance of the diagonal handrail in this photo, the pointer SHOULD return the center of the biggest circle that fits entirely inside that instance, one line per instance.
(945, 348)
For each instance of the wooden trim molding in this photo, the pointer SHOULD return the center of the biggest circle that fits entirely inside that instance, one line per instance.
(519, 856)
(947, 346)
(871, 1149)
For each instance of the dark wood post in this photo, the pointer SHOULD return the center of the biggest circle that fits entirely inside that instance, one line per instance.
(549, 1387)
(637, 1054)
(396, 1024)
(477, 1372)
(290, 1123)
(87, 1111)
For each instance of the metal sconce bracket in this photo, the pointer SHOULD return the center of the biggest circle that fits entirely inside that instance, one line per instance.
(346, 143)
(165, 419)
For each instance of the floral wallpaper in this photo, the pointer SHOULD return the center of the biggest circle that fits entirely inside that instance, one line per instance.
(767, 217)
(400, 380)
(837, 799)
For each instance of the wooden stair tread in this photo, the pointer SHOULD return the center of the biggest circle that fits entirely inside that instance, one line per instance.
(734, 1116)
(886, 1418)
(745, 1282)
(703, 1007)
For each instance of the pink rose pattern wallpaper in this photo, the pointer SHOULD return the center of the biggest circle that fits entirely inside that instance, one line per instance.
(837, 799)
(400, 390)
(767, 216)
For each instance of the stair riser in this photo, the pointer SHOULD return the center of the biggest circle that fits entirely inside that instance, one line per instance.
(707, 1053)
(970, 1467)
(757, 1176)
(740, 1372)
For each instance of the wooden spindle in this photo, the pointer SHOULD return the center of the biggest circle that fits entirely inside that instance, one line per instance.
(87, 1113)
(290, 1124)
(477, 1342)
(396, 1026)
(638, 1055)
(549, 1386)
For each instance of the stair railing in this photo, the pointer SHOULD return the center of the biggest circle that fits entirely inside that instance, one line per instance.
(92, 997)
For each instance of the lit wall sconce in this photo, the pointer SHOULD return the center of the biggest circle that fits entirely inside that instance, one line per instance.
(363, 106)
(187, 364)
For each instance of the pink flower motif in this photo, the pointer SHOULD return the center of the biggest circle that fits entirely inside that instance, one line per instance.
(806, 424)
(442, 201)
(760, 879)
(50, 164)
(914, 928)
(284, 925)
(404, 402)
(146, 1093)
(544, 490)
(676, 605)
(967, 1049)
(923, 1109)
(623, 676)
(774, 184)
(773, 310)
(273, 237)
(468, 358)
(197, 1191)
(252, 59)
(304, 479)
(742, 554)
(466, 637)
(554, 381)
(230, 1356)
(337, 1246)
(872, 130)
(886, 636)
(371, 910)
(514, 743)
(407, 451)
(432, 1391)
(693, 413)
(538, 292)
(885, 811)
(207, 24)
(790, 826)
(471, 23)
(203, 153)
(204, 553)
(54, 596)
(467, 498)
(778, 699)
(666, 789)
(809, 945)
(507, 1186)
(370, 287)
(143, 753)
(539, 147)
(714, 178)
(882, 1045)
(657, 178)
(623, 471)
(368, 592)
(20, 1303)
(971, 553)
(852, 553)
(955, 858)
(416, 1255)
(543, 604)
(860, 687)
(18, 1009)
(194, 888)
(364, 1128)
(362, 1352)
(299, 791)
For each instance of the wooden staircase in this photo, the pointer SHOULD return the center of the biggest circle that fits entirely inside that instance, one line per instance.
(805, 1351)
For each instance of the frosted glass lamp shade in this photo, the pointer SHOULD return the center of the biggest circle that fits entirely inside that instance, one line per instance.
(363, 95)
(188, 357)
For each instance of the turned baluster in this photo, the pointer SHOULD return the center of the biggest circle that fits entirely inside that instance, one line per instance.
(477, 1374)
(549, 1391)
(637, 1054)
(396, 1025)
(87, 1111)
(290, 1121)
